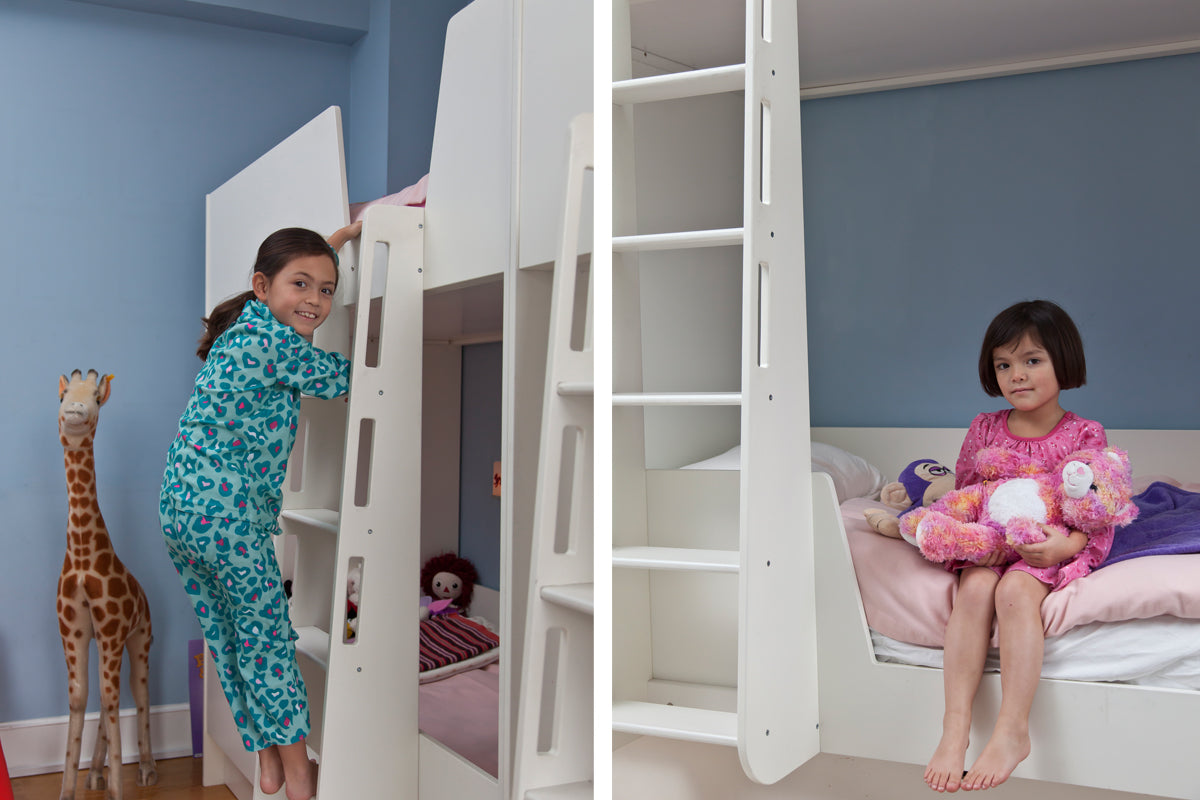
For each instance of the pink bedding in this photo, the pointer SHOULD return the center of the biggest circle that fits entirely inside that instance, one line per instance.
(908, 598)
(463, 713)
(408, 196)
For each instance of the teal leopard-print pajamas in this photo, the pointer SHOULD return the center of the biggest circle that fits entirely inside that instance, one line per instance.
(219, 506)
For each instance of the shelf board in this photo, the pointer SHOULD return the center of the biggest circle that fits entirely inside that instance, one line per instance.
(314, 643)
(317, 519)
(677, 398)
(680, 240)
(675, 722)
(566, 791)
(677, 558)
(576, 596)
(692, 83)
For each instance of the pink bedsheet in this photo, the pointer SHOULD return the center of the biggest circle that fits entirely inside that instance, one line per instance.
(463, 713)
(909, 599)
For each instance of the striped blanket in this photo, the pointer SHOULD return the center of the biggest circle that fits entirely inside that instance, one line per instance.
(452, 638)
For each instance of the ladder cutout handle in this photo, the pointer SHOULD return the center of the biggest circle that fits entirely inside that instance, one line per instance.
(362, 473)
(570, 468)
(765, 13)
(764, 314)
(375, 270)
(553, 681)
(354, 585)
(764, 157)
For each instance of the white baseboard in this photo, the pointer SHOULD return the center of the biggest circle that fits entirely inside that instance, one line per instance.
(37, 746)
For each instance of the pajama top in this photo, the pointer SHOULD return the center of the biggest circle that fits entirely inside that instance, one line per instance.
(1070, 434)
(230, 455)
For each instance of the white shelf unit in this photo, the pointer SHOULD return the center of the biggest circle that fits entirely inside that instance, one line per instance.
(723, 674)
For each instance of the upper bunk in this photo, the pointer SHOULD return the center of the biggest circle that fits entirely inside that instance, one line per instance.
(853, 46)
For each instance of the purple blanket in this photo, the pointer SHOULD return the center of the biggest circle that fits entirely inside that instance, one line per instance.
(1168, 523)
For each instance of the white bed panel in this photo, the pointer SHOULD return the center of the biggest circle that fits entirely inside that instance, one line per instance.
(444, 773)
(556, 84)
(271, 194)
(1152, 452)
(468, 230)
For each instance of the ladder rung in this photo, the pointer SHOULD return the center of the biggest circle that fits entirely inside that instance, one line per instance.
(677, 399)
(314, 643)
(566, 791)
(318, 519)
(677, 558)
(576, 389)
(679, 240)
(576, 596)
(675, 722)
(692, 83)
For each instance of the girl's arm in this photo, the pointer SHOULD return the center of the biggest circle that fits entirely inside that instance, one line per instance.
(299, 364)
(343, 235)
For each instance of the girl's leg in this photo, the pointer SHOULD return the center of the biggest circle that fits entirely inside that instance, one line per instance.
(270, 770)
(300, 774)
(1022, 642)
(967, 635)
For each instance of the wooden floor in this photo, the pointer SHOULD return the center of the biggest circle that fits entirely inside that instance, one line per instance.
(178, 779)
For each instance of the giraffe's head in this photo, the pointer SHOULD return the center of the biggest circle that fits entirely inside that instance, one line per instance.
(80, 399)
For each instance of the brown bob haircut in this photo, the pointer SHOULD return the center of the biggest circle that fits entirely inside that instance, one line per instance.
(1050, 327)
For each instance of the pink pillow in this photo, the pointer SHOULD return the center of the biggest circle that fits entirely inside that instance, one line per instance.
(908, 598)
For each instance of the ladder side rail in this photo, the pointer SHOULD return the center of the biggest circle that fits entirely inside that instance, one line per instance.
(777, 676)
(371, 687)
(568, 757)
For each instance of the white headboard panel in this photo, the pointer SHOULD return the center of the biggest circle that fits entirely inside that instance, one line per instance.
(301, 182)
(1173, 453)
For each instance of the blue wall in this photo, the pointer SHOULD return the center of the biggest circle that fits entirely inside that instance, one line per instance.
(928, 210)
(116, 125)
(478, 510)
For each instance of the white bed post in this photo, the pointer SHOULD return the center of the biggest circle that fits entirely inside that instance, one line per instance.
(553, 750)
(631, 588)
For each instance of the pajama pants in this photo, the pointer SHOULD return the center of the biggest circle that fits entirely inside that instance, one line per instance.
(232, 580)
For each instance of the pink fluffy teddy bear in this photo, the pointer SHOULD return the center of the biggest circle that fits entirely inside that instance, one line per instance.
(1090, 491)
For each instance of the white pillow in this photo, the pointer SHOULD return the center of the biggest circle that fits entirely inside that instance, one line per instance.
(852, 476)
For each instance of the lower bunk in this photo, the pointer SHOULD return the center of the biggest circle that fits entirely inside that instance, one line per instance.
(1119, 702)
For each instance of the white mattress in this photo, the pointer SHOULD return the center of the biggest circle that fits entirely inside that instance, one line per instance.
(1162, 652)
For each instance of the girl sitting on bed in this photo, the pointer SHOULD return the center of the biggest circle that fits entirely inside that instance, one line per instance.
(1031, 352)
(221, 489)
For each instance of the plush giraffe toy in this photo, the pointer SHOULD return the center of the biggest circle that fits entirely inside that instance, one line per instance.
(98, 597)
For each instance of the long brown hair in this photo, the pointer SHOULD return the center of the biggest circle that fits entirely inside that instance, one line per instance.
(273, 255)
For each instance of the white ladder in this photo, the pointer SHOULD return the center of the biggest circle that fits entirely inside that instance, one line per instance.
(553, 751)
(774, 726)
(357, 505)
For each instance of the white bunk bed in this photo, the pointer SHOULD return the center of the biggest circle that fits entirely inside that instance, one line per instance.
(680, 635)
(374, 478)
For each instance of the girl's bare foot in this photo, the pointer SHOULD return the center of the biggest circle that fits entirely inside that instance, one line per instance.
(945, 769)
(1005, 750)
(270, 770)
(305, 786)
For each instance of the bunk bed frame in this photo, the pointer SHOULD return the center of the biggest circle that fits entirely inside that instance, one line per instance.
(373, 481)
(683, 631)
(1103, 735)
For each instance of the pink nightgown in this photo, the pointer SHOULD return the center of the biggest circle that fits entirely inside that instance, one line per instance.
(1070, 434)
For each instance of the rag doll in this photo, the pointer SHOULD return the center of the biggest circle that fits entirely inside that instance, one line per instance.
(449, 577)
